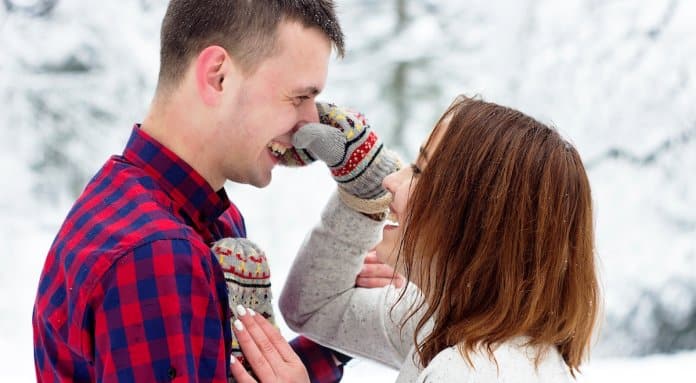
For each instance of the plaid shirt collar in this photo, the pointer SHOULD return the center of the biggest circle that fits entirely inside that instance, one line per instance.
(191, 193)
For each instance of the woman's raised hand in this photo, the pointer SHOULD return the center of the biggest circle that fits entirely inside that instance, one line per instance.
(376, 274)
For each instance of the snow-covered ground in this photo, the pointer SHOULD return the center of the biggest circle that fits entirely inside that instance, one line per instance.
(616, 77)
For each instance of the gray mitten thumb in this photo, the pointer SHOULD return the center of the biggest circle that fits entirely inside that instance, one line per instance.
(322, 141)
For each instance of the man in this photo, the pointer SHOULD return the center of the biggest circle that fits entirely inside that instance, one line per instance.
(130, 290)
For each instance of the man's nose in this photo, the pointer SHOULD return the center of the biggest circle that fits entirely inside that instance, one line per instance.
(309, 112)
(306, 113)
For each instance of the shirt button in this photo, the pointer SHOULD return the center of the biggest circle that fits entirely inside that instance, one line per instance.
(171, 373)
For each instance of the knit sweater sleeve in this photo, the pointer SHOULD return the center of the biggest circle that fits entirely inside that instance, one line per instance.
(320, 299)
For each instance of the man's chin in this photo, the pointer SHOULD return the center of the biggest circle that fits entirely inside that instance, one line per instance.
(262, 182)
(257, 180)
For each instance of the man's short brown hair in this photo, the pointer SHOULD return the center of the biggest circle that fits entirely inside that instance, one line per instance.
(245, 28)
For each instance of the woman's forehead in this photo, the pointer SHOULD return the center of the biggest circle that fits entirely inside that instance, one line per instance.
(434, 137)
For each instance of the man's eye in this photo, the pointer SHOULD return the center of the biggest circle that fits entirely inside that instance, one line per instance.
(297, 101)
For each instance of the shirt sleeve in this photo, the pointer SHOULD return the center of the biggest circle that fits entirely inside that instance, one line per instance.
(320, 361)
(156, 317)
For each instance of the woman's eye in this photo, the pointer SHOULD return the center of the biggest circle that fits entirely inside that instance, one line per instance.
(415, 169)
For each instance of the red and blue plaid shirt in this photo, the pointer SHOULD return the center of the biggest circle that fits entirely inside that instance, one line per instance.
(130, 291)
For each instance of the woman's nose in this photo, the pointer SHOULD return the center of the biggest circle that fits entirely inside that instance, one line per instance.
(389, 182)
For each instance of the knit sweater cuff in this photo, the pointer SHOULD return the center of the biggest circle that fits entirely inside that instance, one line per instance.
(352, 226)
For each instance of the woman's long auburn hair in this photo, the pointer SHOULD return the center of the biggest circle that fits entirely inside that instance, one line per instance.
(499, 236)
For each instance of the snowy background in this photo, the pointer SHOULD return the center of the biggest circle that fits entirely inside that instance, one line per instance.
(618, 78)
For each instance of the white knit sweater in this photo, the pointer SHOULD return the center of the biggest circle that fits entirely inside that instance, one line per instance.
(320, 301)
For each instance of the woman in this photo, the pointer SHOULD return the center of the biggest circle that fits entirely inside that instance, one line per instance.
(493, 228)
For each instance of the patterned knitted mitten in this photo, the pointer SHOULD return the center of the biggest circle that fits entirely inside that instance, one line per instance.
(248, 279)
(296, 157)
(354, 153)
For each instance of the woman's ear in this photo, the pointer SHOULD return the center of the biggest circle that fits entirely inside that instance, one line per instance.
(213, 67)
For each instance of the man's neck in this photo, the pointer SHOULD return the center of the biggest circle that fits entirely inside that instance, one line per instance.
(173, 124)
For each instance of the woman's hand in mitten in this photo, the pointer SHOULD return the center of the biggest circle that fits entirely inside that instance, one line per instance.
(352, 150)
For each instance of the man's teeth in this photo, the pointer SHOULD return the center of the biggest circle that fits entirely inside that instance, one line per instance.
(277, 149)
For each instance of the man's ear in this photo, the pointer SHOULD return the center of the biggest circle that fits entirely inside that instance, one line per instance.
(213, 66)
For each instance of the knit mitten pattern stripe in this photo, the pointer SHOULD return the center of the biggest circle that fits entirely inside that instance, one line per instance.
(296, 157)
(360, 158)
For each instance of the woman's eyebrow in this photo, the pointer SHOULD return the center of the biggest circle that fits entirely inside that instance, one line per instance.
(423, 153)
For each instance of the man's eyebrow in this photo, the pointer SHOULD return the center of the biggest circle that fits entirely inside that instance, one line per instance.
(313, 90)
